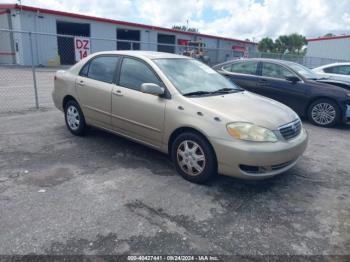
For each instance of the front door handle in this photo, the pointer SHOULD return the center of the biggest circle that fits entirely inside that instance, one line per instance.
(117, 92)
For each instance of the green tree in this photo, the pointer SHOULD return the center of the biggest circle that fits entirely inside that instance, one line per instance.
(266, 45)
(296, 43)
(292, 43)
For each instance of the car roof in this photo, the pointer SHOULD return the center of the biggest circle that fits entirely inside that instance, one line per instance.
(334, 64)
(143, 54)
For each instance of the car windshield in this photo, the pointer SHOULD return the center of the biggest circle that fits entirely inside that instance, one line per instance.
(304, 71)
(190, 76)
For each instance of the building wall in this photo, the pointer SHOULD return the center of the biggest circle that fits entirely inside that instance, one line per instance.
(45, 46)
(331, 48)
(7, 55)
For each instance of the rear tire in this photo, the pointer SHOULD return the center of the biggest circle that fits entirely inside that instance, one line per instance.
(194, 158)
(75, 119)
(324, 112)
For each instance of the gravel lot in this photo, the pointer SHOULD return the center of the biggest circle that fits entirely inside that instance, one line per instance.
(102, 194)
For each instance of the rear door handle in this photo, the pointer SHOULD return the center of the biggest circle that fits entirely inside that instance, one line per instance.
(117, 92)
(81, 83)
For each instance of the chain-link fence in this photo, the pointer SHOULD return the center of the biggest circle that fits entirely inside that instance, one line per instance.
(308, 61)
(28, 61)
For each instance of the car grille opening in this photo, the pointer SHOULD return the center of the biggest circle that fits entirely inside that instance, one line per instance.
(290, 130)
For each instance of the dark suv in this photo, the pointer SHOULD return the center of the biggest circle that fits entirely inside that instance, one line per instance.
(292, 84)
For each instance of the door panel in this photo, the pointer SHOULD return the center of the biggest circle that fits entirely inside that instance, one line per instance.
(138, 114)
(94, 86)
(95, 100)
(243, 73)
(273, 84)
(134, 113)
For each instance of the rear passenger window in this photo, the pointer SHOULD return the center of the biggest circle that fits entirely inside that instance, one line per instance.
(101, 68)
(248, 68)
(341, 70)
(134, 73)
(275, 71)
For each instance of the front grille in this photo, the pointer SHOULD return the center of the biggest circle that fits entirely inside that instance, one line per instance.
(291, 129)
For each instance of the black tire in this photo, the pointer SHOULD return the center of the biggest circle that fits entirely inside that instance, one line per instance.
(331, 111)
(77, 129)
(209, 165)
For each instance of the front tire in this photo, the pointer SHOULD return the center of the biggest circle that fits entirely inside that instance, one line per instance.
(324, 112)
(194, 158)
(74, 117)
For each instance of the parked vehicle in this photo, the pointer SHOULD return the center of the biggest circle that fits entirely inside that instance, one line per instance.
(196, 49)
(181, 106)
(293, 85)
(335, 71)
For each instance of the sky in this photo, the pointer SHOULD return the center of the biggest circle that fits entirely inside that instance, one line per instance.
(242, 19)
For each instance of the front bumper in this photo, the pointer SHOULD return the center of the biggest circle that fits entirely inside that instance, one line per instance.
(258, 160)
(347, 114)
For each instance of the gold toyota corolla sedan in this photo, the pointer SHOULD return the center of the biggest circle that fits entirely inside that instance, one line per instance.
(182, 107)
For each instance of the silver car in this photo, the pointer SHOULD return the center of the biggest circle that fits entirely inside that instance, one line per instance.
(335, 71)
(182, 107)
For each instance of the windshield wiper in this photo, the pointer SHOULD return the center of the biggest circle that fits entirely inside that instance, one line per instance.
(197, 93)
(226, 90)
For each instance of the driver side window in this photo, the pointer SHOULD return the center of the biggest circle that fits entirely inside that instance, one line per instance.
(275, 71)
(134, 73)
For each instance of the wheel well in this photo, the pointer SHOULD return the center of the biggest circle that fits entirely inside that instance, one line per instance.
(66, 99)
(318, 98)
(181, 130)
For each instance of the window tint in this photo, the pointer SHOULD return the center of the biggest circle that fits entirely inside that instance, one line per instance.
(85, 70)
(276, 71)
(341, 70)
(248, 68)
(134, 73)
(101, 68)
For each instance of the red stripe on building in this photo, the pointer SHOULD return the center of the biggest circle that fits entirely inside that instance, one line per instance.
(7, 53)
(111, 21)
(328, 38)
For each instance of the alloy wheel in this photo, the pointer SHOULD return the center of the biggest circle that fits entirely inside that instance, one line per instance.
(323, 113)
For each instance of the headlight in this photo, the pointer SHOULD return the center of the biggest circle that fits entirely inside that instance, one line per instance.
(250, 132)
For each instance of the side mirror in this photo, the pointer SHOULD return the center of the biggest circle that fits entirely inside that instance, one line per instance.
(293, 79)
(153, 89)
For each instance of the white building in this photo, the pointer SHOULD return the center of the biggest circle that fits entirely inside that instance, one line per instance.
(48, 48)
(336, 47)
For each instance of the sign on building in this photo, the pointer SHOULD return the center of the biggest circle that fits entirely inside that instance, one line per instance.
(82, 47)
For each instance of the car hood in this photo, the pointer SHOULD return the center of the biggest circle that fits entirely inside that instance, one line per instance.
(321, 86)
(248, 107)
(334, 82)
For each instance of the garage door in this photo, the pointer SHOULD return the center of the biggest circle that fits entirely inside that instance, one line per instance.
(66, 44)
(129, 35)
(166, 39)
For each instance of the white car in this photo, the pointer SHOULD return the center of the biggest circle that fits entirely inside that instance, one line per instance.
(336, 71)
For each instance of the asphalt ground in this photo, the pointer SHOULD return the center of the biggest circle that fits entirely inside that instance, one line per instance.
(102, 194)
